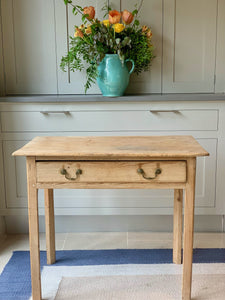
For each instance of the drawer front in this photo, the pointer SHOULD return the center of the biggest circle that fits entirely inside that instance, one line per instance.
(61, 172)
(160, 120)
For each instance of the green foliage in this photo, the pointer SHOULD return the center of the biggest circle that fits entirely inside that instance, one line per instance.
(95, 39)
(141, 50)
(106, 8)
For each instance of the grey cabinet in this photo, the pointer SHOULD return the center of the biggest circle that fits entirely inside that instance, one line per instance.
(220, 53)
(189, 46)
(22, 122)
(2, 79)
(29, 46)
(188, 39)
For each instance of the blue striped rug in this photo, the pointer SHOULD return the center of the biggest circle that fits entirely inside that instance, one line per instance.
(15, 278)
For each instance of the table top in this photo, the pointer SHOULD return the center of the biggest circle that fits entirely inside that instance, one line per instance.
(113, 147)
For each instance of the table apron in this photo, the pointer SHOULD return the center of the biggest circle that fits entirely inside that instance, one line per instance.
(114, 185)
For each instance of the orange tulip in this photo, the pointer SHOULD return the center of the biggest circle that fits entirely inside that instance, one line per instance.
(89, 10)
(78, 33)
(114, 16)
(127, 17)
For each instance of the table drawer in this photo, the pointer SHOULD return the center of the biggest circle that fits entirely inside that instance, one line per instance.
(89, 121)
(142, 171)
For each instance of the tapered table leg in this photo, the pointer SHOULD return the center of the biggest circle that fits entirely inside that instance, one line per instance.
(188, 229)
(177, 226)
(33, 229)
(50, 226)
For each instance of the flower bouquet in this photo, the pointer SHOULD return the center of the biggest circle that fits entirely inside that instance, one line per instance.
(103, 48)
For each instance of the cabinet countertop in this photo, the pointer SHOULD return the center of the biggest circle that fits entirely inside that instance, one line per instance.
(100, 98)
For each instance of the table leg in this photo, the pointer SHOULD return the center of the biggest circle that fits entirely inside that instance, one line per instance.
(50, 226)
(33, 229)
(177, 226)
(188, 229)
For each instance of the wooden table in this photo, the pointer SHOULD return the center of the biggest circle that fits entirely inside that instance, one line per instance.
(135, 162)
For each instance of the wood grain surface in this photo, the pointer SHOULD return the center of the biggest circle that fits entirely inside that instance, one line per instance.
(118, 147)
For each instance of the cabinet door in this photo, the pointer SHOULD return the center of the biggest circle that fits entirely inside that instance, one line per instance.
(189, 43)
(103, 202)
(220, 53)
(73, 82)
(29, 46)
(15, 175)
(2, 191)
(2, 80)
(151, 15)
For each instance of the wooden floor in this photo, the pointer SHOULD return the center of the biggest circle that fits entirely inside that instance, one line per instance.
(107, 240)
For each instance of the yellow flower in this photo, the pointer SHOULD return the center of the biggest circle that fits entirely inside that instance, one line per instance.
(88, 30)
(106, 22)
(118, 27)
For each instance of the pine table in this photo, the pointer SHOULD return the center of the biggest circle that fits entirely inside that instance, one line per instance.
(125, 162)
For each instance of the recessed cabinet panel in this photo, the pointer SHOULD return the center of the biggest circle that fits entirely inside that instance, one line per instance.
(2, 80)
(29, 46)
(72, 82)
(220, 53)
(206, 174)
(150, 15)
(2, 190)
(15, 175)
(189, 46)
(157, 120)
(16, 195)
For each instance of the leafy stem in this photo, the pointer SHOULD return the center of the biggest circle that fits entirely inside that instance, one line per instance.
(77, 9)
(140, 6)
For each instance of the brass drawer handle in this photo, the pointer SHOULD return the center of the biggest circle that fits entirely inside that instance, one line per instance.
(67, 176)
(142, 172)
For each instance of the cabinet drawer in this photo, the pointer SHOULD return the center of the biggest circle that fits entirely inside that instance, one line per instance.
(170, 171)
(150, 120)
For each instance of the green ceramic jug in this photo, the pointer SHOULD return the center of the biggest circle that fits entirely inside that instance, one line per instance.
(113, 75)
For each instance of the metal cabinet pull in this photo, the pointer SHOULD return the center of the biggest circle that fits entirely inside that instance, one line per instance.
(142, 172)
(67, 176)
(46, 112)
(155, 111)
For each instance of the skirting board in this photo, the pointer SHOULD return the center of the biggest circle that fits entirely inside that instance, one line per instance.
(19, 224)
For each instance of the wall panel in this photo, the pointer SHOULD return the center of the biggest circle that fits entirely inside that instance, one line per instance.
(29, 46)
(220, 55)
(2, 79)
(189, 38)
